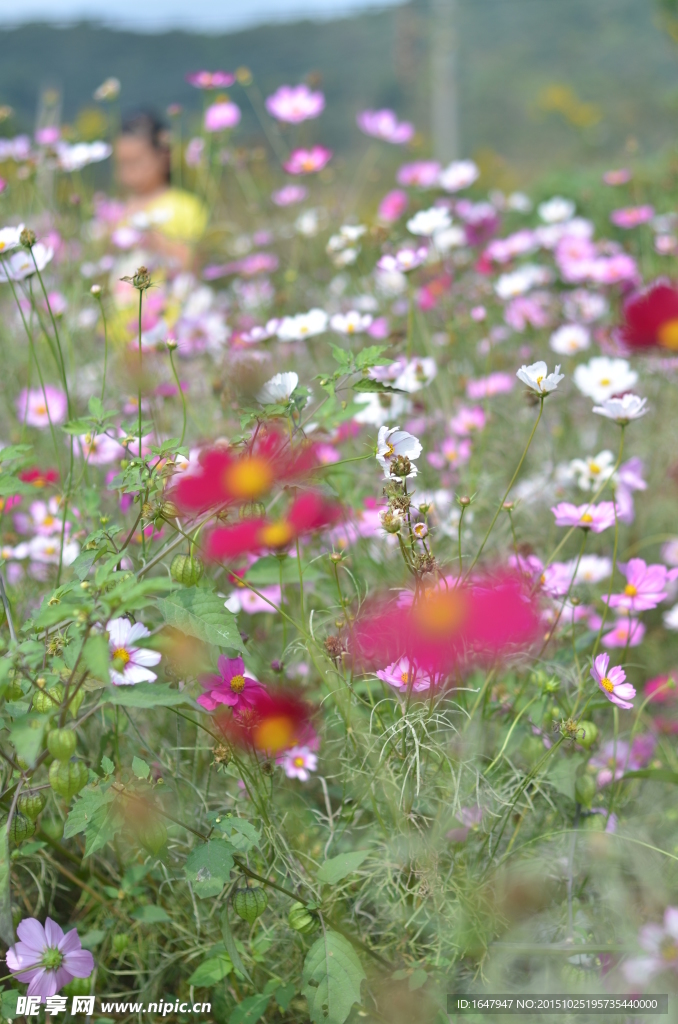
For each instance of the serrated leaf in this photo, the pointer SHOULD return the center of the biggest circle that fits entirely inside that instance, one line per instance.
(107, 765)
(97, 816)
(336, 868)
(200, 612)
(211, 972)
(83, 563)
(250, 1010)
(371, 356)
(229, 943)
(150, 915)
(331, 979)
(209, 866)
(27, 734)
(140, 768)
(146, 695)
(266, 571)
(368, 384)
(241, 833)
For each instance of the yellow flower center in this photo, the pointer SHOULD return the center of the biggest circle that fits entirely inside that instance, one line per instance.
(249, 478)
(121, 655)
(41, 410)
(48, 521)
(276, 535)
(605, 381)
(237, 684)
(667, 335)
(669, 949)
(594, 468)
(539, 380)
(298, 762)
(607, 684)
(586, 518)
(274, 734)
(390, 450)
(630, 590)
(405, 677)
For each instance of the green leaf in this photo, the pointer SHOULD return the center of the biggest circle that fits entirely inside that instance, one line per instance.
(211, 972)
(140, 768)
(97, 816)
(653, 774)
(92, 938)
(77, 426)
(107, 765)
(229, 943)
(96, 656)
(342, 357)
(367, 384)
(331, 979)
(418, 978)
(201, 613)
(96, 408)
(250, 1010)
(9, 1001)
(336, 868)
(146, 695)
(284, 995)
(208, 867)
(266, 571)
(150, 915)
(241, 833)
(6, 924)
(27, 734)
(563, 775)
(84, 562)
(371, 356)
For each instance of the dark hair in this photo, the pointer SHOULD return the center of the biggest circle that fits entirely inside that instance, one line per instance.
(144, 124)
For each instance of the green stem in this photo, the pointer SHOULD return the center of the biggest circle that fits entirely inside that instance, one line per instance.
(181, 395)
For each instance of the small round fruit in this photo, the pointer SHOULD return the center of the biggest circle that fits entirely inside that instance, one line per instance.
(13, 690)
(120, 942)
(21, 828)
(301, 919)
(585, 790)
(31, 804)
(587, 734)
(48, 701)
(186, 569)
(61, 744)
(67, 777)
(249, 903)
(152, 835)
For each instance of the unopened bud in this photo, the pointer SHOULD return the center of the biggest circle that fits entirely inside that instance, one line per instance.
(27, 238)
(507, 506)
(95, 289)
(464, 501)
(336, 557)
(172, 343)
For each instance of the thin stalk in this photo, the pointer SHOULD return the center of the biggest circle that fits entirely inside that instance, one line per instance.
(183, 400)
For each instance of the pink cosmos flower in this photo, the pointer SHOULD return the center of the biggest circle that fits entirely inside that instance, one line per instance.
(645, 586)
(662, 689)
(619, 177)
(615, 759)
(404, 260)
(245, 600)
(661, 945)
(48, 136)
(528, 311)
(629, 479)
(422, 173)
(392, 206)
(46, 958)
(289, 195)
(221, 116)
(611, 682)
(403, 675)
(308, 161)
(493, 384)
(453, 452)
(43, 518)
(625, 633)
(467, 420)
(38, 408)
(231, 686)
(298, 762)
(589, 517)
(614, 269)
(384, 124)
(210, 79)
(100, 449)
(295, 103)
(194, 151)
(631, 216)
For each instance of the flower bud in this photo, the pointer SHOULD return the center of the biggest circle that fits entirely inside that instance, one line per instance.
(27, 238)
(585, 790)
(401, 466)
(587, 734)
(95, 290)
(252, 510)
(120, 943)
(464, 501)
(172, 343)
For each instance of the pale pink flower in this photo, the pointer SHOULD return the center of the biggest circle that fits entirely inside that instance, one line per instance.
(392, 206)
(467, 420)
(632, 216)
(616, 758)
(611, 682)
(453, 452)
(618, 177)
(661, 945)
(245, 600)
(210, 79)
(221, 116)
(298, 762)
(384, 124)
(39, 408)
(289, 195)
(308, 161)
(403, 675)
(404, 260)
(422, 173)
(130, 664)
(494, 384)
(589, 517)
(295, 103)
(46, 958)
(645, 588)
(100, 449)
(626, 632)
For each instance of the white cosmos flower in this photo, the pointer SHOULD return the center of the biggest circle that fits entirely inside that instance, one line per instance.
(130, 664)
(508, 286)
(303, 325)
(402, 262)
(671, 618)
(428, 222)
(592, 569)
(458, 175)
(556, 210)
(20, 265)
(9, 238)
(603, 377)
(381, 408)
(278, 389)
(592, 471)
(622, 410)
(538, 378)
(449, 238)
(569, 339)
(416, 374)
(47, 550)
(352, 322)
(391, 443)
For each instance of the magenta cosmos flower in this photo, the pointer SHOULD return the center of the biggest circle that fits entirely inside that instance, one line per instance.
(645, 587)
(611, 682)
(307, 161)
(46, 958)
(231, 686)
(392, 206)
(589, 517)
(38, 408)
(383, 124)
(295, 103)
(221, 116)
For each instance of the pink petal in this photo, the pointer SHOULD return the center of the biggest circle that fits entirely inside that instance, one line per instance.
(43, 984)
(31, 932)
(53, 933)
(79, 963)
(70, 942)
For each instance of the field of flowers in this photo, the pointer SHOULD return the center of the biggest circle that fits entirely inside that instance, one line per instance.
(339, 580)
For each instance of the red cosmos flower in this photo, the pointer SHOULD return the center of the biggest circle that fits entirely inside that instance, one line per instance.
(226, 476)
(274, 721)
(309, 512)
(39, 477)
(651, 317)
(486, 618)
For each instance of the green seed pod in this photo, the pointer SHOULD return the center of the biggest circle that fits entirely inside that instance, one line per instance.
(21, 828)
(301, 919)
(585, 790)
(120, 943)
(67, 777)
(31, 804)
(61, 744)
(587, 734)
(13, 690)
(48, 701)
(186, 569)
(249, 903)
(152, 835)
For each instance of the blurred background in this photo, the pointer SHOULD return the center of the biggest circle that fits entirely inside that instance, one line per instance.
(522, 86)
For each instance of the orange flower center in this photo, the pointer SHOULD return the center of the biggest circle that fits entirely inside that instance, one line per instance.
(276, 535)
(440, 614)
(404, 677)
(237, 684)
(298, 762)
(274, 734)
(248, 478)
(121, 655)
(630, 590)
(667, 335)
(607, 684)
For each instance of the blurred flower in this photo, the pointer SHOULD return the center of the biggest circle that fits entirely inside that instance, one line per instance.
(303, 325)
(404, 260)
(494, 384)
(539, 379)
(38, 409)
(298, 762)
(589, 517)
(651, 317)
(556, 210)
(662, 690)
(289, 195)
(129, 664)
(10, 238)
(616, 757)
(622, 410)
(307, 161)
(603, 377)
(352, 322)
(46, 958)
(671, 618)
(423, 173)
(405, 676)
(273, 723)
(278, 389)
(384, 124)
(295, 103)
(467, 420)
(632, 216)
(645, 588)
(570, 339)
(626, 632)
(661, 945)
(427, 222)
(394, 443)
(21, 265)
(231, 686)
(620, 177)
(221, 116)
(47, 550)
(458, 175)
(592, 471)
(43, 518)
(309, 512)
(584, 305)
(194, 152)
(453, 452)
(611, 682)
(392, 206)
(210, 79)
